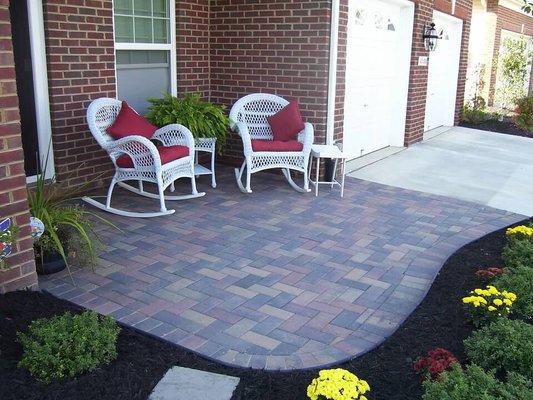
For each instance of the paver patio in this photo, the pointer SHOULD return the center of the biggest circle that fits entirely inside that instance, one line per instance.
(277, 279)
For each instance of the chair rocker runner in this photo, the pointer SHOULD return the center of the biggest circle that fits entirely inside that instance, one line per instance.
(137, 159)
(249, 119)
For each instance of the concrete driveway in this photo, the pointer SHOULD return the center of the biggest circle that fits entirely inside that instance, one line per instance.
(483, 167)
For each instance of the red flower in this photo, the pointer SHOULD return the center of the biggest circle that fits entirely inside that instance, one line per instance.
(2, 246)
(489, 272)
(436, 362)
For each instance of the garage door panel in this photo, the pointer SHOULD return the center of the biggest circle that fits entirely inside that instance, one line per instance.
(377, 67)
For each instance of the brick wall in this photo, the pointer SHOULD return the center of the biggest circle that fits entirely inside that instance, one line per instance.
(511, 21)
(192, 42)
(13, 201)
(271, 46)
(81, 68)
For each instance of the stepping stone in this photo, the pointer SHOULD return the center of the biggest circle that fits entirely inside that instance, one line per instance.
(191, 384)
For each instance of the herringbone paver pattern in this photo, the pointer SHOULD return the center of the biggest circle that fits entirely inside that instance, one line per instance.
(277, 279)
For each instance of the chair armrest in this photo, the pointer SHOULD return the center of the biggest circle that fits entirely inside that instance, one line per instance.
(141, 151)
(175, 134)
(307, 136)
(242, 130)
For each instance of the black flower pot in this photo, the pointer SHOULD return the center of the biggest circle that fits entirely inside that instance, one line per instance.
(49, 262)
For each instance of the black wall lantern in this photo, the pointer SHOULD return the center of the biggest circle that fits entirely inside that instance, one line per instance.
(431, 37)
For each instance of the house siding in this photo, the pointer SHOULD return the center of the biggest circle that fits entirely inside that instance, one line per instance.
(509, 20)
(20, 272)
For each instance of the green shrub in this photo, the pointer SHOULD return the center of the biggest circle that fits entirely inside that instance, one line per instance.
(518, 253)
(519, 281)
(474, 115)
(67, 345)
(204, 119)
(503, 346)
(524, 117)
(474, 383)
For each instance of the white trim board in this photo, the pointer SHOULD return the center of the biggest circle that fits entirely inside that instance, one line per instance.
(40, 87)
(170, 47)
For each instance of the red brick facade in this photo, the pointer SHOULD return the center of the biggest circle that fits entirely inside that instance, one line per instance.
(511, 21)
(225, 49)
(81, 67)
(13, 201)
(271, 46)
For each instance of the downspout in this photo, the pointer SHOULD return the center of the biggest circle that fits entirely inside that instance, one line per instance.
(332, 75)
(453, 7)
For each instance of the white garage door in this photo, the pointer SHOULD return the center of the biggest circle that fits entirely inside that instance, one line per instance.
(443, 72)
(377, 74)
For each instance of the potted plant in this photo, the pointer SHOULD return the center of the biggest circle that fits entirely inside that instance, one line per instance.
(8, 234)
(66, 225)
(202, 118)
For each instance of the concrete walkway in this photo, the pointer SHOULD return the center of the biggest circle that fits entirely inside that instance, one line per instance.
(483, 167)
(276, 279)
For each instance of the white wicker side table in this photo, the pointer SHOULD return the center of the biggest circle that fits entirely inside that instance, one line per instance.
(319, 151)
(207, 145)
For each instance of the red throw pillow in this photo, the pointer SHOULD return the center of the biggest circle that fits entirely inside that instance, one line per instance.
(286, 123)
(129, 123)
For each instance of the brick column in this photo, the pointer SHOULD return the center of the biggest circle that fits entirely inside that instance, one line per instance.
(13, 201)
(418, 78)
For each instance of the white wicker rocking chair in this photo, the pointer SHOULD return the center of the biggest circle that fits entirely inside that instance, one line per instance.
(249, 119)
(146, 160)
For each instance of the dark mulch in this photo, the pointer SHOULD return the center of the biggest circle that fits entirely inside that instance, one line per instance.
(439, 321)
(506, 126)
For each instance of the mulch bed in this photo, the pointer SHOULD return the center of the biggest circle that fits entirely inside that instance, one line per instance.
(439, 321)
(505, 126)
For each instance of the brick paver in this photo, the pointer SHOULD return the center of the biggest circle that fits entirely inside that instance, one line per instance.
(277, 279)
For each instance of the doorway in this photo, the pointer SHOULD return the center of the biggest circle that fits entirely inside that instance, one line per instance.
(27, 30)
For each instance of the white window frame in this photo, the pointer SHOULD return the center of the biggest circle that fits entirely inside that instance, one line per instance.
(40, 89)
(170, 47)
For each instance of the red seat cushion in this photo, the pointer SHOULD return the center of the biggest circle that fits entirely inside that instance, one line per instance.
(286, 123)
(276, 145)
(167, 155)
(129, 123)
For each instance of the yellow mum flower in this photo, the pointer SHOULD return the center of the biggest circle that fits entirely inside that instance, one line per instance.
(498, 302)
(508, 302)
(492, 290)
(492, 308)
(511, 296)
(520, 230)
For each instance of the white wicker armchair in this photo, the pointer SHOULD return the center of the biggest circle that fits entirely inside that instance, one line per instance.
(249, 119)
(145, 159)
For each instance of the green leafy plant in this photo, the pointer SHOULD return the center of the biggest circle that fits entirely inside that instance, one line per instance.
(512, 72)
(474, 383)
(204, 119)
(503, 346)
(68, 345)
(518, 253)
(528, 7)
(472, 115)
(524, 114)
(520, 281)
(63, 221)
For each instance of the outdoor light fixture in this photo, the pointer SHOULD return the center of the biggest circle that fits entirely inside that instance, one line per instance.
(431, 37)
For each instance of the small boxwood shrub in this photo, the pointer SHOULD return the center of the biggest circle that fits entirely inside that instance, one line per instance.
(520, 281)
(518, 253)
(67, 345)
(503, 346)
(474, 383)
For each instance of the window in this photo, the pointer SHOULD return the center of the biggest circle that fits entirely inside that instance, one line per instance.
(145, 50)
